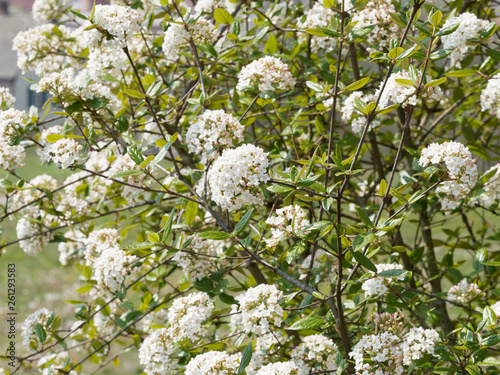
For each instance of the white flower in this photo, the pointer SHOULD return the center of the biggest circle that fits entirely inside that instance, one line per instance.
(6, 99)
(490, 96)
(317, 17)
(214, 363)
(186, 316)
(46, 10)
(64, 152)
(461, 169)
(266, 74)
(31, 242)
(404, 94)
(157, 353)
(463, 292)
(10, 121)
(111, 267)
(124, 163)
(195, 266)
(349, 114)
(417, 342)
(259, 307)
(492, 186)
(234, 178)
(214, 132)
(37, 48)
(97, 242)
(177, 36)
(496, 309)
(377, 286)
(41, 316)
(209, 6)
(279, 368)
(287, 221)
(74, 242)
(316, 353)
(26, 196)
(376, 13)
(470, 27)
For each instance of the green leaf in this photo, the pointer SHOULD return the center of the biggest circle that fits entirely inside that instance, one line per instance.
(135, 155)
(448, 30)
(223, 16)
(132, 172)
(78, 14)
(315, 86)
(364, 261)
(294, 251)
(364, 218)
(40, 332)
(408, 52)
(361, 240)
(316, 32)
(52, 138)
(495, 55)
(307, 323)
(490, 361)
(395, 52)
(490, 340)
(358, 84)
(134, 93)
(461, 73)
(245, 358)
(168, 226)
(214, 235)
(404, 82)
(330, 33)
(204, 285)
(441, 54)
(240, 226)
(275, 188)
(191, 212)
(96, 103)
(392, 273)
(153, 237)
(383, 188)
(74, 107)
(436, 82)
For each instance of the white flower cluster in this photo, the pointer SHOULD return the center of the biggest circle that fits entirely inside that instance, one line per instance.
(349, 114)
(31, 192)
(258, 307)
(386, 352)
(42, 141)
(214, 132)
(492, 186)
(377, 13)
(261, 354)
(111, 267)
(186, 316)
(41, 316)
(121, 164)
(74, 242)
(279, 368)
(177, 37)
(463, 292)
(46, 10)
(287, 221)
(461, 169)
(10, 120)
(316, 354)
(417, 342)
(6, 99)
(33, 236)
(470, 27)
(64, 152)
(317, 17)
(265, 74)
(235, 177)
(496, 309)
(39, 48)
(209, 6)
(195, 266)
(61, 84)
(490, 96)
(70, 201)
(121, 22)
(157, 353)
(396, 93)
(214, 363)
(97, 242)
(378, 286)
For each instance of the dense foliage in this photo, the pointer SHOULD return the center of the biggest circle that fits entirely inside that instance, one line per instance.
(263, 187)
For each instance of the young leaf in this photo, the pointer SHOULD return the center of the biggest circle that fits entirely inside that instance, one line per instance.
(191, 212)
(358, 84)
(308, 323)
(245, 358)
(214, 235)
(223, 16)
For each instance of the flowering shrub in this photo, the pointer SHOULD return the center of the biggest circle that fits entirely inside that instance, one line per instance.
(262, 188)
